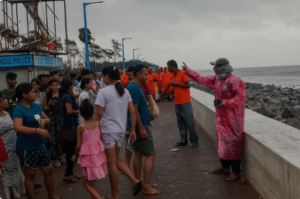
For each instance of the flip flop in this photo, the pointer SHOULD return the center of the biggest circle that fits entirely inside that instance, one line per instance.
(220, 170)
(70, 180)
(137, 189)
(232, 178)
(77, 177)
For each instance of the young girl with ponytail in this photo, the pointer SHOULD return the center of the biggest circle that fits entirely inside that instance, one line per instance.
(113, 103)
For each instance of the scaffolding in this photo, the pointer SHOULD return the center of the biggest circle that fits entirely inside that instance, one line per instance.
(38, 38)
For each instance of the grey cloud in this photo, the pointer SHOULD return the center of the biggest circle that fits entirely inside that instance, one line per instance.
(196, 31)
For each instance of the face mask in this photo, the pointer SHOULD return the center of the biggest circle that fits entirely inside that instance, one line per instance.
(223, 71)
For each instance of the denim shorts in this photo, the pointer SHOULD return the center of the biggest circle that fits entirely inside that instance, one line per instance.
(34, 159)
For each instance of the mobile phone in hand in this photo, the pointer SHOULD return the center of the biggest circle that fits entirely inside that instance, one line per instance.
(217, 102)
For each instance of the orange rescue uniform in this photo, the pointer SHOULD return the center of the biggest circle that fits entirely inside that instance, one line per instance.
(151, 83)
(159, 82)
(182, 95)
(124, 79)
(165, 78)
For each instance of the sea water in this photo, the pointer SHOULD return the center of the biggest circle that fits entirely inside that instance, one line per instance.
(286, 76)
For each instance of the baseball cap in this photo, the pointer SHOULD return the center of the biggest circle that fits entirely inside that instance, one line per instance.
(220, 62)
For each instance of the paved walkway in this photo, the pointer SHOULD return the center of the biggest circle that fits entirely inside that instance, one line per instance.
(182, 174)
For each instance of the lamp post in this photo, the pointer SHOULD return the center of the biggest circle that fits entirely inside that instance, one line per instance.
(138, 58)
(123, 53)
(143, 59)
(86, 36)
(133, 56)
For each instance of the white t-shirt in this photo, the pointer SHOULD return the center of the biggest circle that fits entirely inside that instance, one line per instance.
(115, 109)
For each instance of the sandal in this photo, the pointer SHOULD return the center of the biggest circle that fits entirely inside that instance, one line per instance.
(233, 177)
(72, 179)
(137, 189)
(57, 163)
(220, 170)
(77, 176)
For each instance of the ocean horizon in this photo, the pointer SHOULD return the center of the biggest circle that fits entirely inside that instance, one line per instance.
(286, 76)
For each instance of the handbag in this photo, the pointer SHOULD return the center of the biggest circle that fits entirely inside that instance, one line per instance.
(156, 109)
(67, 135)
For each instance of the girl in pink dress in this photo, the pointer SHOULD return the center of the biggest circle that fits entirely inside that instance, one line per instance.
(91, 149)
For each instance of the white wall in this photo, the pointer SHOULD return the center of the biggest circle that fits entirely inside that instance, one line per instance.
(271, 160)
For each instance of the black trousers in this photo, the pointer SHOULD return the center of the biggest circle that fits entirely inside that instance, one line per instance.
(234, 164)
(69, 149)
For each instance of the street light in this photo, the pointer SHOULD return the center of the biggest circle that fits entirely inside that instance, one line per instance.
(143, 59)
(86, 36)
(138, 58)
(133, 56)
(123, 53)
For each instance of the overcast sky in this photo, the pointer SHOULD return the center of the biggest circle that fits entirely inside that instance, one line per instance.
(250, 33)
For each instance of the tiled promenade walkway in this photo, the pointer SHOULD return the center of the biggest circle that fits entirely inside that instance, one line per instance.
(180, 175)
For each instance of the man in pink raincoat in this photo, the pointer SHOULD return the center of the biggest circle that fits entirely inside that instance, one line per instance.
(230, 100)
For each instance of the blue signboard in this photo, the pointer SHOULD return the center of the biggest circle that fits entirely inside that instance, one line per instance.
(47, 61)
(29, 60)
(14, 61)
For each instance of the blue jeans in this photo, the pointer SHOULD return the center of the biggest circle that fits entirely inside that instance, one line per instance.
(185, 122)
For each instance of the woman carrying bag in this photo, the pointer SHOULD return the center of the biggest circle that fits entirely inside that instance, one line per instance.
(69, 123)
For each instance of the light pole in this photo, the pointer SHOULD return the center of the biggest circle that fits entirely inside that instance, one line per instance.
(138, 58)
(86, 36)
(143, 59)
(123, 54)
(133, 56)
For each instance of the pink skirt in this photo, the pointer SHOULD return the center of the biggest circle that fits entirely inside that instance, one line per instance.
(96, 173)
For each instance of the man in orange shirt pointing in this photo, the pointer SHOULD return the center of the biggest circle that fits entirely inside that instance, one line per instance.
(183, 106)
(152, 78)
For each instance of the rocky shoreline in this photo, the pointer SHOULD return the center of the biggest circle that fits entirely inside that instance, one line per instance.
(280, 103)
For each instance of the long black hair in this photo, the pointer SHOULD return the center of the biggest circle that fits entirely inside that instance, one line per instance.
(65, 86)
(113, 73)
(86, 109)
(84, 81)
(36, 81)
(49, 94)
(20, 90)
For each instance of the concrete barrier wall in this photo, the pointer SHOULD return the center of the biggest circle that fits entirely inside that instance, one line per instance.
(271, 160)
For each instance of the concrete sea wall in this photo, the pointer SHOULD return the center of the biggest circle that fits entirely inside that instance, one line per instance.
(271, 159)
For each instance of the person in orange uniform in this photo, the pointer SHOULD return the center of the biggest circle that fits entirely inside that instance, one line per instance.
(121, 73)
(124, 78)
(183, 106)
(152, 78)
(159, 80)
(165, 77)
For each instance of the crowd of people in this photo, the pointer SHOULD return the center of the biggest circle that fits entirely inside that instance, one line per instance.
(63, 119)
